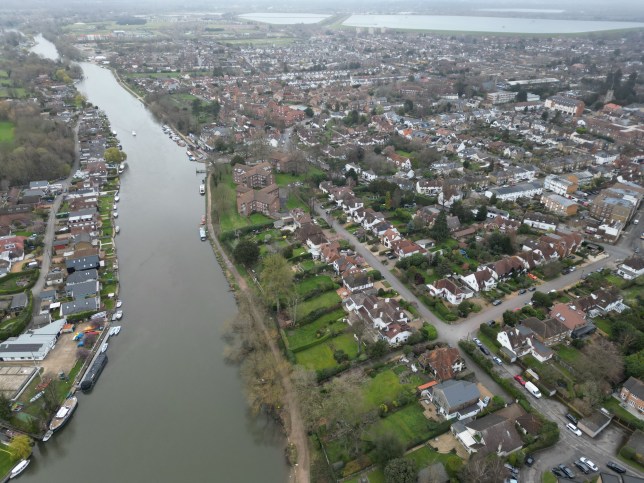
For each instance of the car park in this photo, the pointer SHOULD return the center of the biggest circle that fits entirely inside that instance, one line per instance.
(571, 418)
(574, 429)
(567, 471)
(615, 467)
(589, 463)
(519, 379)
(582, 467)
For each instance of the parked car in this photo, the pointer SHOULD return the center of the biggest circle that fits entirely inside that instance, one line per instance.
(477, 342)
(574, 429)
(529, 460)
(589, 463)
(558, 472)
(492, 323)
(522, 291)
(615, 467)
(512, 469)
(567, 471)
(497, 360)
(582, 467)
(484, 350)
(497, 302)
(519, 379)
(486, 401)
(532, 289)
(571, 418)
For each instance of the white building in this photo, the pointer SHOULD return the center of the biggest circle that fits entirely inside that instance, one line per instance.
(33, 345)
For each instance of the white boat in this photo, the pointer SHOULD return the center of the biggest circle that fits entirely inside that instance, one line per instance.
(47, 436)
(116, 214)
(115, 206)
(117, 229)
(19, 468)
(104, 347)
(63, 413)
(122, 167)
(119, 303)
(202, 189)
(118, 314)
(133, 133)
(117, 199)
(117, 329)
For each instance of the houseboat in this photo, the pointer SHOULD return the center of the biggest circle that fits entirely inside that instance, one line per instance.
(63, 414)
(202, 233)
(93, 372)
(202, 189)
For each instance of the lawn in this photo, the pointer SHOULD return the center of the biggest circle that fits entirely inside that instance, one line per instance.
(385, 387)
(310, 285)
(409, 424)
(6, 131)
(327, 299)
(294, 201)
(6, 462)
(613, 405)
(321, 356)
(568, 354)
(308, 333)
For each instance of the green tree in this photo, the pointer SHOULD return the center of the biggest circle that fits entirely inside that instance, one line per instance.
(500, 244)
(634, 365)
(246, 252)
(387, 446)
(276, 278)
(464, 308)
(440, 230)
(388, 200)
(308, 111)
(408, 105)
(20, 447)
(5, 407)
(377, 349)
(114, 155)
(481, 214)
(400, 470)
(540, 299)
(522, 96)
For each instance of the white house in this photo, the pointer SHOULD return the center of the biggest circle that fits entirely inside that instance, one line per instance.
(631, 268)
(448, 290)
(396, 333)
(480, 281)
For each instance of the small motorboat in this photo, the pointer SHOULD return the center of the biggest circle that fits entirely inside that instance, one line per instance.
(117, 198)
(119, 303)
(133, 133)
(118, 315)
(104, 347)
(19, 468)
(117, 229)
(47, 436)
(116, 214)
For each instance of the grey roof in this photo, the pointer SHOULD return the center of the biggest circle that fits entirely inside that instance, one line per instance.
(458, 393)
(78, 306)
(10, 347)
(82, 276)
(84, 263)
(83, 290)
(19, 301)
(635, 387)
(609, 478)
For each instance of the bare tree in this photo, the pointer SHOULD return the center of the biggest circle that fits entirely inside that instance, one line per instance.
(483, 469)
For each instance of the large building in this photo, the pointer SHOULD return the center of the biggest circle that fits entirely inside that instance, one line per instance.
(265, 200)
(501, 97)
(560, 184)
(567, 105)
(258, 176)
(559, 204)
(513, 193)
(617, 203)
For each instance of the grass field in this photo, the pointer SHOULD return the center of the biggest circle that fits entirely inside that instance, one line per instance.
(308, 333)
(568, 354)
(6, 461)
(409, 424)
(310, 285)
(385, 387)
(327, 299)
(6, 131)
(321, 356)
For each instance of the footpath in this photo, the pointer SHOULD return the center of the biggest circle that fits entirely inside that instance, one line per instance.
(296, 432)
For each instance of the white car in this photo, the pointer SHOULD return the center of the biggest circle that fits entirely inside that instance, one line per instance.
(574, 429)
(589, 463)
(477, 342)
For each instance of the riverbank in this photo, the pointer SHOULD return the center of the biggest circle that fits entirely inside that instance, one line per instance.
(293, 425)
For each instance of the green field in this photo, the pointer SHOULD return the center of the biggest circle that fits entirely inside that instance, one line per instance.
(6, 461)
(6, 131)
(327, 299)
(310, 285)
(321, 356)
(307, 334)
(385, 387)
(409, 424)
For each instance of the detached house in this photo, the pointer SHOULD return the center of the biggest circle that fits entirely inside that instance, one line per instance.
(521, 341)
(480, 281)
(632, 393)
(548, 332)
(406, 248)
(356, 280)
(444, 362)
(448, 290)
(396, 333)
(490, 434)
(455, 399)
(631, 268)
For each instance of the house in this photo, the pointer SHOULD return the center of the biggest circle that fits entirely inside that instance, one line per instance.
(82, 263)
(356, 280)
(480, 281)
(443, 362)
(84, 290)
(448, 290)
(429, 187)
(540, 221)
(490, 434)
(632, 268)
(389, 237)
(561, 185)
(632, 393)
(455, 399)
(406, 248)
(33, 345)
(548, 332)
(18, 302)
(79, 306)
(559, 205)
(601, 302)
(566, 105)
(396, 333)
(81, 276)
(568, 315)
(377, 312)
(505, 268)
(521, 341)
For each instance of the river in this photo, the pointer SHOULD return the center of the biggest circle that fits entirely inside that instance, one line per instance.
(167, 408)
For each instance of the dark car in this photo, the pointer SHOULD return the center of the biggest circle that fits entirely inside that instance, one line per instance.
(484, 350)
(497, 302)
(522, 291)
(615, 467)
(571, 418)
(582, 467)
(532, 289)
(492, 323)
(558, 472)
(529, 460)
(567, 471)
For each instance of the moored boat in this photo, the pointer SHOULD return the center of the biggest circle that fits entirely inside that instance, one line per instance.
(119, 304)
(47, 436)
(63, 414)
(19, 468)
(104, 347)
(133, 133)
(117, 229)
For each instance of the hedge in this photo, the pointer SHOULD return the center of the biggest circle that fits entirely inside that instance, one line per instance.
(299, 258)
(317, 313)
(329, 372)
(229, 235)
(490, 333)
(313, 343)
(430, 331)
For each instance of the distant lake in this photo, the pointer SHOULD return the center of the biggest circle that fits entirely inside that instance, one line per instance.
(521, 10)
(486, 24)
(285, 18)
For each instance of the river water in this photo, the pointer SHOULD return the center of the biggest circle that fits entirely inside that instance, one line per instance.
(167, 408)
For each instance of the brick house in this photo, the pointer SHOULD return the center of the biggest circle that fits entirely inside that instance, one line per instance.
(632, 393)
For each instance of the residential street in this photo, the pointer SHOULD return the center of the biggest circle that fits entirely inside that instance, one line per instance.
(570, 447)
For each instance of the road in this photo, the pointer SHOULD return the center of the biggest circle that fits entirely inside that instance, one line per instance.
(571, 447)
